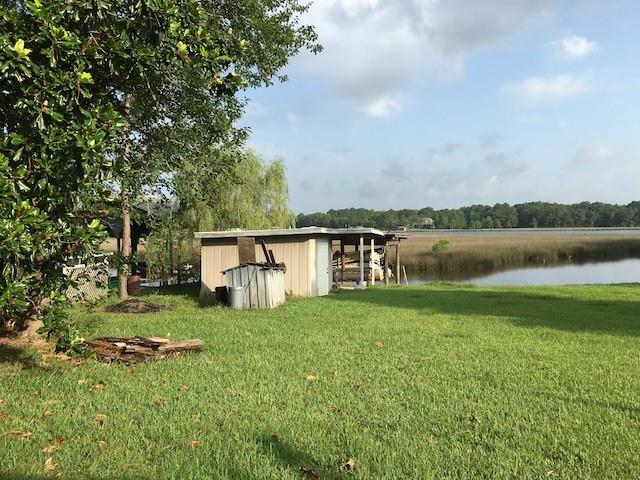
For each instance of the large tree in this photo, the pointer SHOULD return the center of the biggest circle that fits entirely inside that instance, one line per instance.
(67, 71)
(178, 126)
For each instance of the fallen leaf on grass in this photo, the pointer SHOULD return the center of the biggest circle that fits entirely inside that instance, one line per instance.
(101, 445)
(100, 419)
(82, 382)
(379, 344)
(357, 386)
(308, 473)
(1, 401)
(184, 387)
(275, 439)
(51, 402)
(347, 464)
(473, 418)
(194, 443)
(209, 362)
(98, 387)
(36, 393)
(47, 413)
(49, 466)
(3, 415)
(20, 433)
(54, 444)
(311, 378)
(160, 401)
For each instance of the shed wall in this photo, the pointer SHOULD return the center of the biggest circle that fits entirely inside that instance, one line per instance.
(298, 254)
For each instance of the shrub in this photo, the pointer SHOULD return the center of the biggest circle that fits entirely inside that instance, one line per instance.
(440, 246)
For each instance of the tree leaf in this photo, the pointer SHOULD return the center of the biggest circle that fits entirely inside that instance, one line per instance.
(98, 387)
(49, 465)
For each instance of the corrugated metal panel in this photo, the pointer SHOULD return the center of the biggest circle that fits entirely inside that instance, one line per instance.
(263, 287)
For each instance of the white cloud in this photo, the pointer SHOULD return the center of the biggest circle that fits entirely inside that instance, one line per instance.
(594, 153)
(374, 50)
(576, 47)
(535, 90)
(384, 106)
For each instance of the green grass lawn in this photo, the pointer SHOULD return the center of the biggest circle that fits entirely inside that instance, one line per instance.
(421, 382)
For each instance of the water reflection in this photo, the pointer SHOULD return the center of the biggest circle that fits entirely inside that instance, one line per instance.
(621, 271)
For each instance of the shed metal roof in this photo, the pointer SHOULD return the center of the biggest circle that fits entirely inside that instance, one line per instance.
(284, 232)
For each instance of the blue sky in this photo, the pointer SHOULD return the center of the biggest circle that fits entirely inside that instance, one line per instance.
(446, 103)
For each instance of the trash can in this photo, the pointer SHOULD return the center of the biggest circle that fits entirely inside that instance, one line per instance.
(133, 285)
(236, 297)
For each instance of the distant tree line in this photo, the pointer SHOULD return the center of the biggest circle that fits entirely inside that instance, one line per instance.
(501, 215)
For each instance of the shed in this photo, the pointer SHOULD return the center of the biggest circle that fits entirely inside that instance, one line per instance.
(306, 253)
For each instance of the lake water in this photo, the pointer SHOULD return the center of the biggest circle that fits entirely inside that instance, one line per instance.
(621, 271)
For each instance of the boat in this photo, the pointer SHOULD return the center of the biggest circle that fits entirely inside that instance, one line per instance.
(350, 272)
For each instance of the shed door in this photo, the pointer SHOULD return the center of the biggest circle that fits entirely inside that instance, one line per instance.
(323, 266)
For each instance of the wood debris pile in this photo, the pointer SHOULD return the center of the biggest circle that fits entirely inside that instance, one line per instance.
(133, 350)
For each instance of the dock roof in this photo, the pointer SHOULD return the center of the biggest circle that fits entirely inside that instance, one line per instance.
(284, 232)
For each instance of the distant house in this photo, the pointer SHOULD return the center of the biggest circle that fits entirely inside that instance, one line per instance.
(427, 223)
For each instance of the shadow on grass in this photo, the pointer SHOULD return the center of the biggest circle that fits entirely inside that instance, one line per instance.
(12, 355)
(188, 292)
(523, 307)
(26, 476)
(291, 458)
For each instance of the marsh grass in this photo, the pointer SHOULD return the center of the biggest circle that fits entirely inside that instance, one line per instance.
(411, 382)
(486, 254)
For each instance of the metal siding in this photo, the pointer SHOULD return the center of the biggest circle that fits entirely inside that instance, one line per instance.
(311, 278)
(294, 253)
(297, 253)
(216, 255)
(323, 265)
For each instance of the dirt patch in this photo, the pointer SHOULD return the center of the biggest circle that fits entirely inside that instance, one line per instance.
(136, 306)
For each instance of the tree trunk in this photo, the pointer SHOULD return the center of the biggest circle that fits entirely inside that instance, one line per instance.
(125, 244)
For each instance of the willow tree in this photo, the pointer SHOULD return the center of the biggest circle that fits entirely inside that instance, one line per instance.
(251, 194)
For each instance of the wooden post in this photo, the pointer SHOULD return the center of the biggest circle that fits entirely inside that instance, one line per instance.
(398, 263)
(385, 265)
(342, 263)
(373, 274)
(361, 261)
